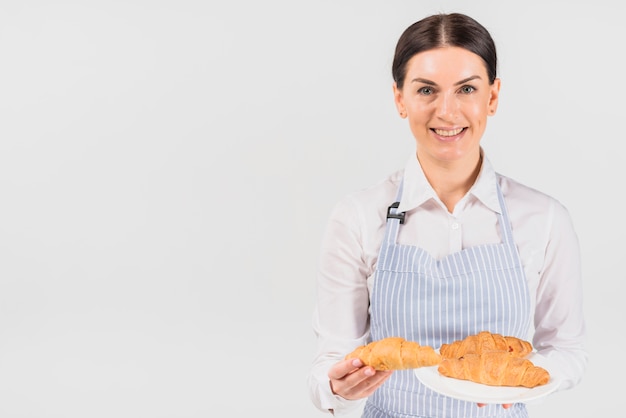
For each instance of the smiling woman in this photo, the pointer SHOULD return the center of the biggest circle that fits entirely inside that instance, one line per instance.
(446, 247)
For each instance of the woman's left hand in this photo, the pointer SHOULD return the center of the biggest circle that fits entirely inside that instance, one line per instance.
(504, 405)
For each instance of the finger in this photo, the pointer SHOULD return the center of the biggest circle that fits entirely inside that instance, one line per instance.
(504, 405)
(344, 368)
(364, 377)
(367, 386)
(345, 377)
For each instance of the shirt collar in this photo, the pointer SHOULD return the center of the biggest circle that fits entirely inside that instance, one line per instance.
(417, 190)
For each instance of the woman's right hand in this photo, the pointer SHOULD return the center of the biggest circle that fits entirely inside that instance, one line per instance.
(352, 380)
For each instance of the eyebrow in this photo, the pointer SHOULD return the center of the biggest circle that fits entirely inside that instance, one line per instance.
(432, 83)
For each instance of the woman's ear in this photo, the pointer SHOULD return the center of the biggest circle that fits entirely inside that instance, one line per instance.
(493, 96)
(399, 100)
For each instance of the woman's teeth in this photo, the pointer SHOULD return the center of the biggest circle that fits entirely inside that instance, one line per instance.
(447, 132)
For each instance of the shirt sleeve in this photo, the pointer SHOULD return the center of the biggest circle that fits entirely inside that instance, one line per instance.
(340, 319)
(559, 321)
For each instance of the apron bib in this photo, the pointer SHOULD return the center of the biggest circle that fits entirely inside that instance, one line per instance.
(431, 301)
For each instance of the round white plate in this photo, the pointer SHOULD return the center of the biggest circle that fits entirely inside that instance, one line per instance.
(479, 393)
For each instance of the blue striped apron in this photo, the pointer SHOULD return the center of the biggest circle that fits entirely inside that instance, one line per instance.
(438, 301)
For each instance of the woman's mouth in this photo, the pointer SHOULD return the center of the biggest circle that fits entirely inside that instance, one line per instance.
(448, 132)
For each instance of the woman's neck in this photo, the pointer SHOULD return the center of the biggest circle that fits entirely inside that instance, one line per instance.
(451, 180)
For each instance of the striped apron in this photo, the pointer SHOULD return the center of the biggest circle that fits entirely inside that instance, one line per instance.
(433, 302)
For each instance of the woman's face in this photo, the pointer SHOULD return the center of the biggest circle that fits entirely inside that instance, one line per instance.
(446, 98)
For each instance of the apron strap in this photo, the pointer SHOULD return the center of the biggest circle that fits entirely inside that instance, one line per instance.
(394, 218)
(503, 219)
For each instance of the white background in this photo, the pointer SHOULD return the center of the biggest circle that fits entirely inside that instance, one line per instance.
(167, 168)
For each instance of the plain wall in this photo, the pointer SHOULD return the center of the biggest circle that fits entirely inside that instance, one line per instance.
(167, 168)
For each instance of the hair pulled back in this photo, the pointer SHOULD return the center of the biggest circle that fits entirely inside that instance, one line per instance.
(441, 30)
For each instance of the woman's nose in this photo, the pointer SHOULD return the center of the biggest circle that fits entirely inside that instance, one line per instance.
(446, 106)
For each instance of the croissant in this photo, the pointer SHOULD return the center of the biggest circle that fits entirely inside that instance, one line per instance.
(395, 353)
(485, 341)
(495, 368)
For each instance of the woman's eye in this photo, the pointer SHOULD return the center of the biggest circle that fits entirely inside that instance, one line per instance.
(467, 89)
(426, 91)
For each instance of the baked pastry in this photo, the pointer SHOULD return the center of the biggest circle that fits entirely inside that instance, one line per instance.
(395, 353)
(486, 341)
(495, 368)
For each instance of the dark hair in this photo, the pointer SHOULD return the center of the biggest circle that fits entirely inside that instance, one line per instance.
(436, 31)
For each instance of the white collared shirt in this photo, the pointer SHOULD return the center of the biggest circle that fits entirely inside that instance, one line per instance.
(542, 230)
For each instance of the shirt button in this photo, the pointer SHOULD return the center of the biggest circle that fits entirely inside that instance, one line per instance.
(455, 225)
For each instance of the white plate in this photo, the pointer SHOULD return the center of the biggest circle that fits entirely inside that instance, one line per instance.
(479, 393)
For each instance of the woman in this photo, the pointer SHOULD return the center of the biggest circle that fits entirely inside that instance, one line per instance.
(446, 247)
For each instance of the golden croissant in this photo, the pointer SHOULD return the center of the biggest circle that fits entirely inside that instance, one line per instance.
(495, 368)
(486, 341)
(395, 353)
